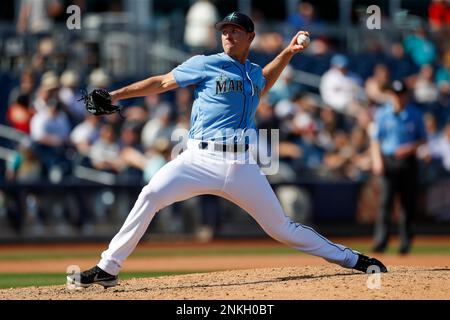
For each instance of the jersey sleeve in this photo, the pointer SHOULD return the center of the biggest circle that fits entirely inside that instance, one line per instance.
(192, 71)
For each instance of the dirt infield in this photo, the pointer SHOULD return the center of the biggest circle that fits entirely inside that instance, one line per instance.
(250, 270)
(309, 282)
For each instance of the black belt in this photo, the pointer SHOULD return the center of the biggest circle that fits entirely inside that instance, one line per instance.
(224, 147)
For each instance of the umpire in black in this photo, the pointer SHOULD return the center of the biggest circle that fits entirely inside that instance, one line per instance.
(399, 131)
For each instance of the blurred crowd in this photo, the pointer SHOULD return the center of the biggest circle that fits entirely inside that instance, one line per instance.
(324, 129)
(323, 105)
(61, 134)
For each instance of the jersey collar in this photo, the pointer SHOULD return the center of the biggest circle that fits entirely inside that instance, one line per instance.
(227, 57)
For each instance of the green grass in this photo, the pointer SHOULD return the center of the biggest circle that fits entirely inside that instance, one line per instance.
(15, 280)
(171, 252)
(156, 252)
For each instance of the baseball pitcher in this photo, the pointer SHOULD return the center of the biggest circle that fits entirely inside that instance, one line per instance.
(227, 92)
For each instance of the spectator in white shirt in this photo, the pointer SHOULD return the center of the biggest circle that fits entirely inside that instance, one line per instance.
(50, 129)
(425, 90)
(160, 126)
(83, 135)
(337, 88)
(200, 33)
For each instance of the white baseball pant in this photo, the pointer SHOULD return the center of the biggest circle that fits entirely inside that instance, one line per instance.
(196, 172)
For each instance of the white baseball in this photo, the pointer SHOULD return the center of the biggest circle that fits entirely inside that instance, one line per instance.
(303, 40)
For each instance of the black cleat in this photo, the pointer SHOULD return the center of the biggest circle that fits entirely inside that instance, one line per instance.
(92, 276)
(369, 265)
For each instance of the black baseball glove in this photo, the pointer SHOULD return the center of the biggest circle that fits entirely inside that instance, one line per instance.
(99, 102)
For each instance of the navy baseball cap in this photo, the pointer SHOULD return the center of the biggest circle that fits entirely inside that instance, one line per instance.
(237, 19)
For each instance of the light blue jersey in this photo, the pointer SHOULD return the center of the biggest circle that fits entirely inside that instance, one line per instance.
(394, 130)
(226, 96)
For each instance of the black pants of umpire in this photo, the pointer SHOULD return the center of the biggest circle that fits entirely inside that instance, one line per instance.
(401, 178)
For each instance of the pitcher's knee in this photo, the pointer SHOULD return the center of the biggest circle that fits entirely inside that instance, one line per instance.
(280, 234)
(153, 196)
(289, 233)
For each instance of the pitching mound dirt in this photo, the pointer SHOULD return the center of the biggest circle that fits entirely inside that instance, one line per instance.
(314, 282)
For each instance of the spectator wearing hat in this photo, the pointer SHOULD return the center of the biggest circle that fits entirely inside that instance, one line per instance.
(338, 89)
(200, 20)
(98, 79)
(47, 91)
(399, 131)
(50, 129)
